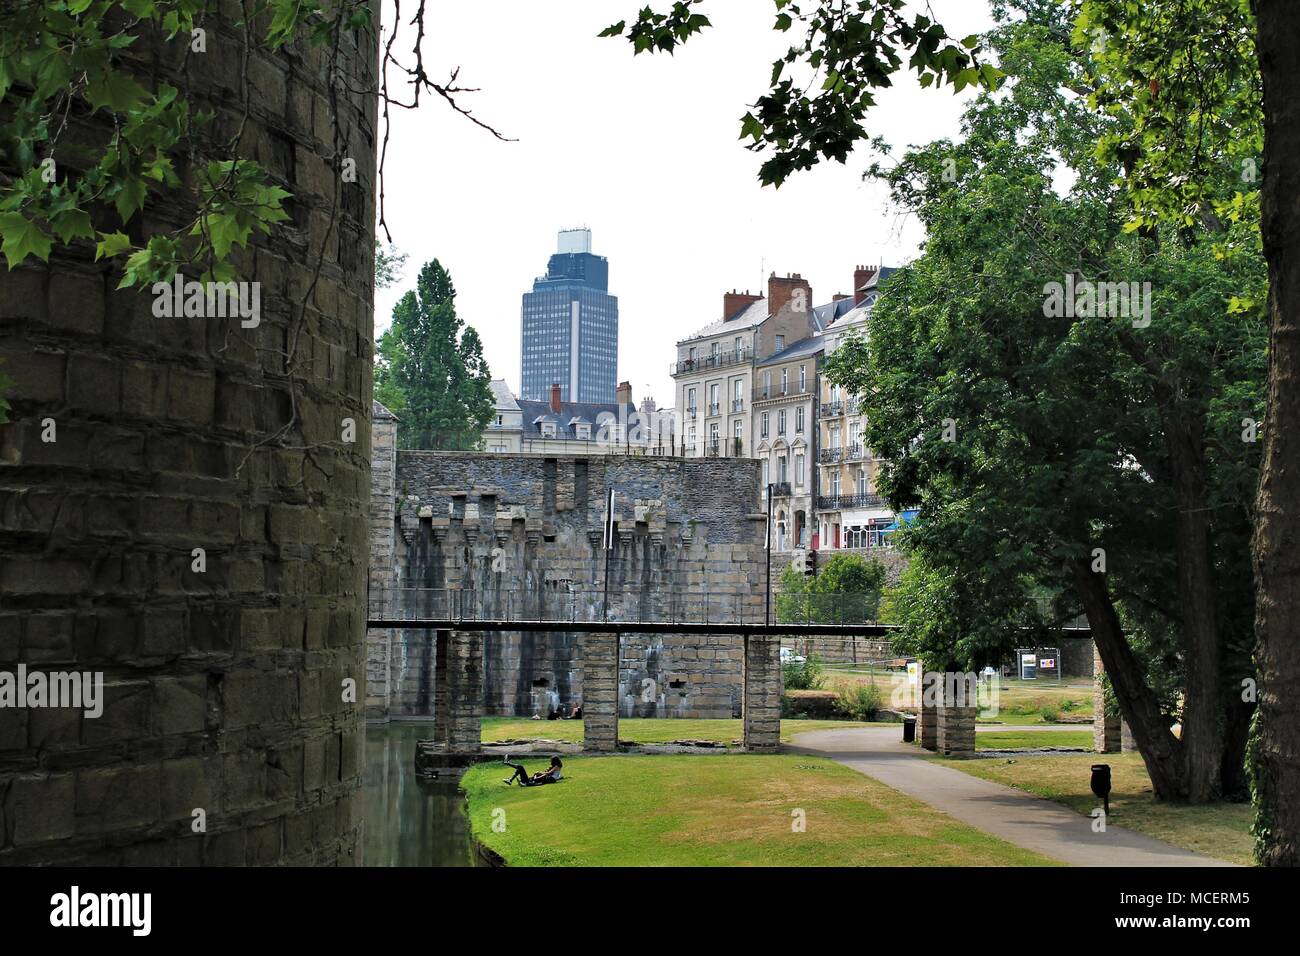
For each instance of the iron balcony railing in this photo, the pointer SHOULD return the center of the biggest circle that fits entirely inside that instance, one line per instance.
(855, 452)
(832, 409)
(828, 456)
(712, 360)
(713, 408)
(839, 502)
(780, 489)
(737, 404)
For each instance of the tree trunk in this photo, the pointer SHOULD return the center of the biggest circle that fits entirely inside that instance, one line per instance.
(1161, 751)
(1277, 528)
(1198, 631)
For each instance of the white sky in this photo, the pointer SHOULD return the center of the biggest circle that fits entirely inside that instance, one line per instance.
(645, 151)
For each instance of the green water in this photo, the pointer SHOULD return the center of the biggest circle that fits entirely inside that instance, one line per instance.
(410, 821)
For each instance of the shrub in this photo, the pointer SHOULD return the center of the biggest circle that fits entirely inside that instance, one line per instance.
(806, 676)
(1050, 713)
(857, 701)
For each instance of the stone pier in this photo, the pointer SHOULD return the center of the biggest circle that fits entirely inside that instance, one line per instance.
(462, 691)
(1105, 730)
(927, 712)
(762, 693)
(600, 692)
(955, 733)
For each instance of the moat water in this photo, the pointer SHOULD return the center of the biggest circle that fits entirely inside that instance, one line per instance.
(410, 820)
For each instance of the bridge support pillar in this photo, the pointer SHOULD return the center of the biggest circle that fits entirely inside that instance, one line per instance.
(762, 694)
(927, 710)
(441, 668)
(1105, 729)
(459, 704)
(956, 730)
(600, 691)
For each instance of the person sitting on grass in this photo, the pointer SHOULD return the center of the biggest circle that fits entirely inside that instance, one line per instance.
(550, 775)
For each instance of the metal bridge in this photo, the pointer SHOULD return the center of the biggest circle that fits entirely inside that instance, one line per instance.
(655, 612)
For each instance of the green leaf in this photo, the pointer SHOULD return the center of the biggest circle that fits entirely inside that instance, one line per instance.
(22, 238)
(72, 224)
(111, 244)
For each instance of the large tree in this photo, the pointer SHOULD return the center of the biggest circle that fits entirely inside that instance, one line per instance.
(430, 370)
(1071, 452)
(1186, 93)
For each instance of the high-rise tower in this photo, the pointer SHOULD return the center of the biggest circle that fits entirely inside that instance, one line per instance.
(570, 326)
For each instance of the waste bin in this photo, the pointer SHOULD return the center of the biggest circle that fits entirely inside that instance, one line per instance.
(909, 729)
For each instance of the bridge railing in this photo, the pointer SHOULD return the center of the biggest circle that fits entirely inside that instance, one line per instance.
(654, 605)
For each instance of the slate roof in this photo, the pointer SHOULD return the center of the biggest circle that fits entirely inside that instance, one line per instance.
(811, 345)
(570, 415)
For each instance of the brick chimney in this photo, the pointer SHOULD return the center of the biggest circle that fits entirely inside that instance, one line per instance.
(839, 297)
(781, 293)
(555, 397)
(861, 276)
(733, 302)
(623, 395)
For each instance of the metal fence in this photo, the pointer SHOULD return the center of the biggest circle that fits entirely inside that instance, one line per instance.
(656, 605)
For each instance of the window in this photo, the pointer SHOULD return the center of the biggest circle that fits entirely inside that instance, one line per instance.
(766, 482)
(780, 342)
(714, 390)
(690, 438)
(780, 469)
(762, 429)
(785, 380)
(803, 378)
(835, 483)
(583, 430)
(716, 350)
(740, 347)
(835, 436)
(738, 429)
(767, 384)
(690, 400)
(862, 481)
(798, 470)
(798, 419)
(548, 429)
(780, 422)
(835, 393)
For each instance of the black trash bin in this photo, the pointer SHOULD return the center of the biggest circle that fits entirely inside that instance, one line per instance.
(909, 729)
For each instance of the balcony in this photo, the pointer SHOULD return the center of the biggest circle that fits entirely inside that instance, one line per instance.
(762, 394)
(713, 360)
(713, 408)
(832, 409)
(829, 456)
(839, 502)
(853, 406)
(856, 452)
(780, 489)
(737, 404)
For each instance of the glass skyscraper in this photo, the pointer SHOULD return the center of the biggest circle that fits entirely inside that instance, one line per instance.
(570, 326)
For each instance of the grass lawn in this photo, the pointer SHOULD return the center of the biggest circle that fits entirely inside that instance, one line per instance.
(725, 810)
(645, 730)
(1029, 739)
(1019, 702)
(1220, 830)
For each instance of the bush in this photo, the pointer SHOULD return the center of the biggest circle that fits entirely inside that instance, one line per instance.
(806, 676)
(857, 701)
(1050, 713)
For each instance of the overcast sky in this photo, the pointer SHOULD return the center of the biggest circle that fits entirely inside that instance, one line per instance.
(644, 151)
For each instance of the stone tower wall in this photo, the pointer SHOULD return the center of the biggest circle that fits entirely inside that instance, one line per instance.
(223, 689)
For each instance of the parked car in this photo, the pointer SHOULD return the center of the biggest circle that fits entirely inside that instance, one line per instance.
(788, 656)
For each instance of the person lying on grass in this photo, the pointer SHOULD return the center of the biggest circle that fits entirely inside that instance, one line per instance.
(549, 775)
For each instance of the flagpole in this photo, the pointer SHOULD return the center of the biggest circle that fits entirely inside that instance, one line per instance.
(609, 541)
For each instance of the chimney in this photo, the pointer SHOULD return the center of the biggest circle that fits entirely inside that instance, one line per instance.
(839, 297)
(781, 292)
(624, 393)
(733, 302)
(555, 397)
(861, 276)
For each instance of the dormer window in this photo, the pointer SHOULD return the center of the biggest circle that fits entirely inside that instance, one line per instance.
(583, 430)
(548, 429)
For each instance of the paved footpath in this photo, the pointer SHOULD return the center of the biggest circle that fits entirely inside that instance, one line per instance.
(1018, 817)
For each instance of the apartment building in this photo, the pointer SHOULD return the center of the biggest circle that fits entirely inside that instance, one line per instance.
(558, 427)
(785, 400)
(714, 371)
(850, 512)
